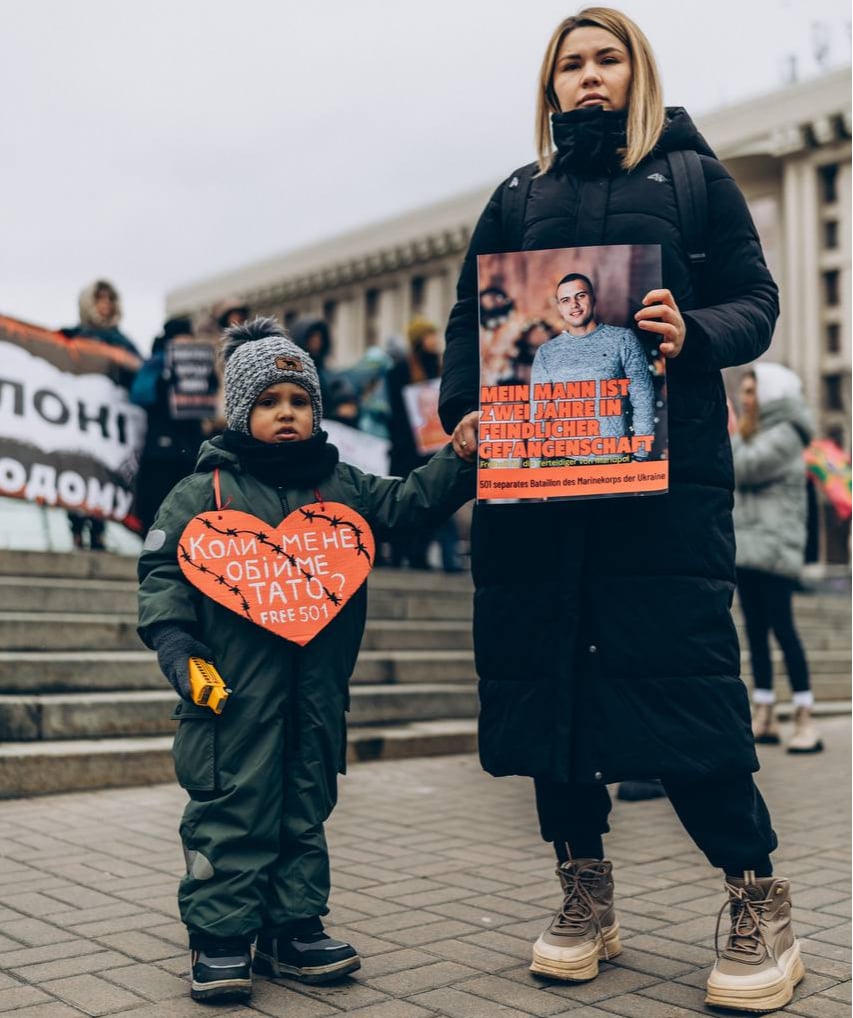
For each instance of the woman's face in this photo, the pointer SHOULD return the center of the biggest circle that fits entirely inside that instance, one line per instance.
(592, 69)
(748, 397)
(104, 304)
(431, 344)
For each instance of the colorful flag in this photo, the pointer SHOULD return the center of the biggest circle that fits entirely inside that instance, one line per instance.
(829, 467)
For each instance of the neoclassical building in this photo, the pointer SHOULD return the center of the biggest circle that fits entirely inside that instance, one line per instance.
(790, 152)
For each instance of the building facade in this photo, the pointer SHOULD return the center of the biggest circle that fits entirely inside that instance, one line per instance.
(790, 153)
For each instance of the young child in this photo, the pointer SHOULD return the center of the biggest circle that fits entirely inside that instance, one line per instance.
(262, 775)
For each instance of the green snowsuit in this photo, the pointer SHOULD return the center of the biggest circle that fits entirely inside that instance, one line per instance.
(262, 776)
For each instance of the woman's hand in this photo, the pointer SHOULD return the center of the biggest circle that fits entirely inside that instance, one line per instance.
(660, 314)
(747, 424)
(732, 417)
(465, 436)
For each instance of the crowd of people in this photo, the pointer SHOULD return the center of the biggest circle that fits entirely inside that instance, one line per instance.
(366, 396)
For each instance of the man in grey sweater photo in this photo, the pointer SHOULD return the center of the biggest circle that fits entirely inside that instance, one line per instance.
(589, 351)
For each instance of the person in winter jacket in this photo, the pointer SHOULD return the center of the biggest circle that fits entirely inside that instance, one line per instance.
(312, 335)
(230, 311)
(171, 446)
(603, 633)
(770, 523)
(262, 775)
(100, 313)
(422, 364)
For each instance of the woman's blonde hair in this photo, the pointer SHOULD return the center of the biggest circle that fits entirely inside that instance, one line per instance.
(418, 330)
(646, 112)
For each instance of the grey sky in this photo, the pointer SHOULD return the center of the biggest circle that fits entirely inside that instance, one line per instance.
(159, 142)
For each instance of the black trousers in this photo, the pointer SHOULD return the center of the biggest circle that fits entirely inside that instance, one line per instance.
(726, 818)
(766, 603)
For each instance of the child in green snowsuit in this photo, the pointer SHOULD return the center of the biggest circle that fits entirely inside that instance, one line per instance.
(262, 776)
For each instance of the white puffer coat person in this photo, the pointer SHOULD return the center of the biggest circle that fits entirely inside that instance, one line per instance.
(770, 502)
(770, 527)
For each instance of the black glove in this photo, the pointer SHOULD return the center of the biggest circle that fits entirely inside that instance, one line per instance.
(174, 648)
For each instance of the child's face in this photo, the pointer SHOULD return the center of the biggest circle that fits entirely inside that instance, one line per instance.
(282, 413)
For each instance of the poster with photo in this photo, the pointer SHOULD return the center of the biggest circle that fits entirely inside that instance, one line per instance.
(421, 402)
(572, 395)
(193, 381)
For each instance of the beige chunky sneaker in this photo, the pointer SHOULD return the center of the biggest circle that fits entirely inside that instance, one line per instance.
(765, 730)
(760, 965)
(805, 738)
(585, 929)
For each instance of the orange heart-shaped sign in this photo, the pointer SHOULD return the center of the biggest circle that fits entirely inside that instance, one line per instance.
(292, 579)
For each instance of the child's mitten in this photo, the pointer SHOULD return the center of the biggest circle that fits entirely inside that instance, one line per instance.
(174, 648)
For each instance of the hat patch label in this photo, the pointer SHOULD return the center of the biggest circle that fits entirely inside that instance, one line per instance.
(288, 364)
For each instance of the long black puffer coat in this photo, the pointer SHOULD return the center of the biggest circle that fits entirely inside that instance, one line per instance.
(602, 629)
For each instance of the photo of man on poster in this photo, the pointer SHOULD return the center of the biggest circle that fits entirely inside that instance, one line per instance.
(588, 350)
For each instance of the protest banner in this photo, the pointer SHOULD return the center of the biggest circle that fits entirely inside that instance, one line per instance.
(69, 435)
(193, 381)
(367, 452)
(421, 402)
(292, 579)
(572, 396)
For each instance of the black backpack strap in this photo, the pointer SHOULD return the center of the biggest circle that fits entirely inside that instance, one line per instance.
(513, 203)
(691, 199)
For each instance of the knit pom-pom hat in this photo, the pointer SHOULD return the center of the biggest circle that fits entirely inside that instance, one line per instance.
(260, 354)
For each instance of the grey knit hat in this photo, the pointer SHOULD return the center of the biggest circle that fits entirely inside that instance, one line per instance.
(260, 354)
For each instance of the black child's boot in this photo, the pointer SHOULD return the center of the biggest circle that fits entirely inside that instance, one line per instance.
(221, 969)
(303, 950)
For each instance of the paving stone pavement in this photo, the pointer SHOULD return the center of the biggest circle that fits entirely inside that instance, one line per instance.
(440, 880)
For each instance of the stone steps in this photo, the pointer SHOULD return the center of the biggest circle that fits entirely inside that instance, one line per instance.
(107, 597)
(101, 596)
(40, 768)
(48, 767)
(95, 671)
(89, 708)
(49, 630)
(80, 631)
(54, 716)
(86, 671)
(87, 565)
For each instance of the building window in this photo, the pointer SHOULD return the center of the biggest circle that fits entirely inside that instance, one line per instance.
(833, 395)
(833, 337)
(830, 288)
(828, 183)
(830, 234)
(330, 311)
(371, 317)
(836, 435)
(417, 292)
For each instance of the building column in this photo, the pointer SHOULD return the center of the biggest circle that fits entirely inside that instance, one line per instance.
(347, 340)
(390, 319)
(801, 287)
(405, 305)
(435, 308)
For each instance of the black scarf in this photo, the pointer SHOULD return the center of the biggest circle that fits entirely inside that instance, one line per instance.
(430, 363)
(588, 141)
(284, 464)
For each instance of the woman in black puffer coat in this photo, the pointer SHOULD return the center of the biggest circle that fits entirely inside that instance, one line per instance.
(603, 635)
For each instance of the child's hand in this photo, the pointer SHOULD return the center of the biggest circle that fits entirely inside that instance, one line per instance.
(465, 436)
(174, 649)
